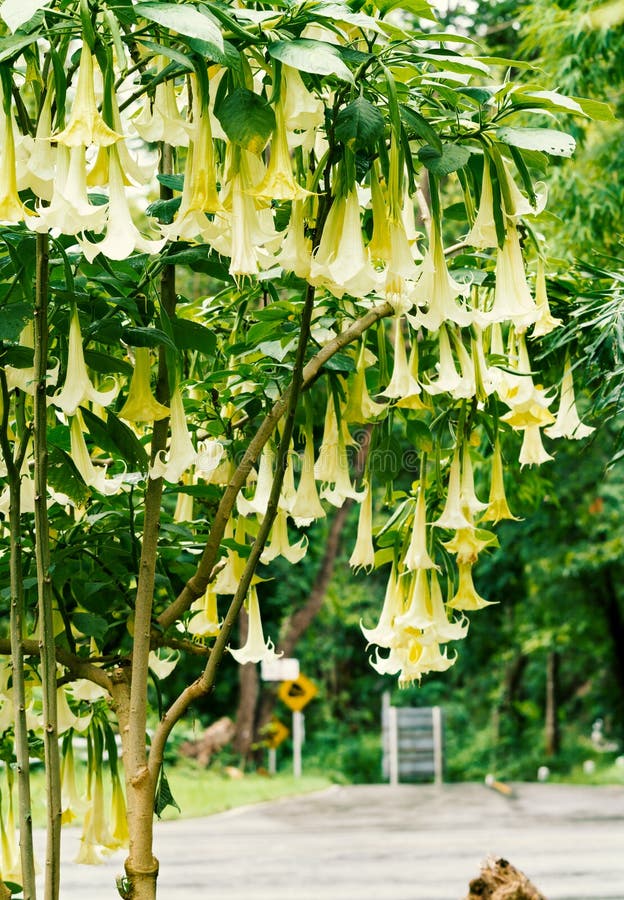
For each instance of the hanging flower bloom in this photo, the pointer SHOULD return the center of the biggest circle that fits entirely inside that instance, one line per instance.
(512, 298)
(279, 545)
(122, 236)
(205, 622)
(24, 379)
(332, 465)
(295, 254)
(303, 112)
(532, 451)
(255, 649)
(363, 555)
(257, 505)
(132, 172)
(162, 662)
(12, 210)
(341, 263)
(118, 815)
(160, 118)
(449, 379)
(483, 231)
(307, 505)
(568, 423)
(69, 211)
(93, 476)
(182, 454)
(466, 598)
(279, 182)
(70, 800)
(229, 576)
(66, 718)
(86, 125)
(78, 386)
(453, 515)
(360, 407)
(417, 616)
(402, 383)
(469, 499)
(141, 405)
(444, 630)
(39, 168)
(417, 555)
(199, 194)
(528, 403)
(498, 507)
(545, 323)
(383, 633)
(438, 289)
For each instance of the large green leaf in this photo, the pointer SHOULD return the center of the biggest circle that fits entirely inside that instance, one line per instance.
(247, 119)
(420, 8)
(417, 126)
(63, 476)
(193, 336)
(184, 19)
(548, 140)
(307, 55)
(146, 337)
(452, 158)
(114, 436)
(13, 317)
(360, 124)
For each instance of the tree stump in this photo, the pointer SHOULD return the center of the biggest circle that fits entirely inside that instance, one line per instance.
(499, 880)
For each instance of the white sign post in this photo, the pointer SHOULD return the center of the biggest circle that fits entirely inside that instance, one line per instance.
(298, 739)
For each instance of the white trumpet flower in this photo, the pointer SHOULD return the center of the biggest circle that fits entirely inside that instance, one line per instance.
(255, 648)
(181, 454)
(122, 236)
(78, 386)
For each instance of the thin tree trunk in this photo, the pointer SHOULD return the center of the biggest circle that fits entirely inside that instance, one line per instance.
(44, 583)
(141, 865)
(13, 465)
(615, 622)
(552, 735)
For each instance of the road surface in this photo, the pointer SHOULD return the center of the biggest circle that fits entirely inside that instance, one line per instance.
(376, 842)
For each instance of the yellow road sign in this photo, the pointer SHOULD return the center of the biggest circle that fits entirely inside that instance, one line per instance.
(297, 693)
(275, 732)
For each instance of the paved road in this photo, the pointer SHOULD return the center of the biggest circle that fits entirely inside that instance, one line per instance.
(375, 842)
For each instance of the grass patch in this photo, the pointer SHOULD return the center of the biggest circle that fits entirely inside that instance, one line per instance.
(203, 792)
(199, 792)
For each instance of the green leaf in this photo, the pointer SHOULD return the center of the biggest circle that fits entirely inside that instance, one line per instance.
(105, 363)
(163, 797)
(146, 337)
(247, 119)
(340, 362)
(548, 140)
(117, 438)
(419, 435)
(164, 210)
(17, 356)
(307, 55)
(360, 124)
(10, 47)
(64, 477)
(420, 8)
(385, 460)
(183, 19)
(90, 625)
(595, 109)
(453, 157)
(12, 320)
(193, 336)
(417, 125)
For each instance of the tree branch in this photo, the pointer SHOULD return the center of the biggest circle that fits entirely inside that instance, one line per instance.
(196, 585)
